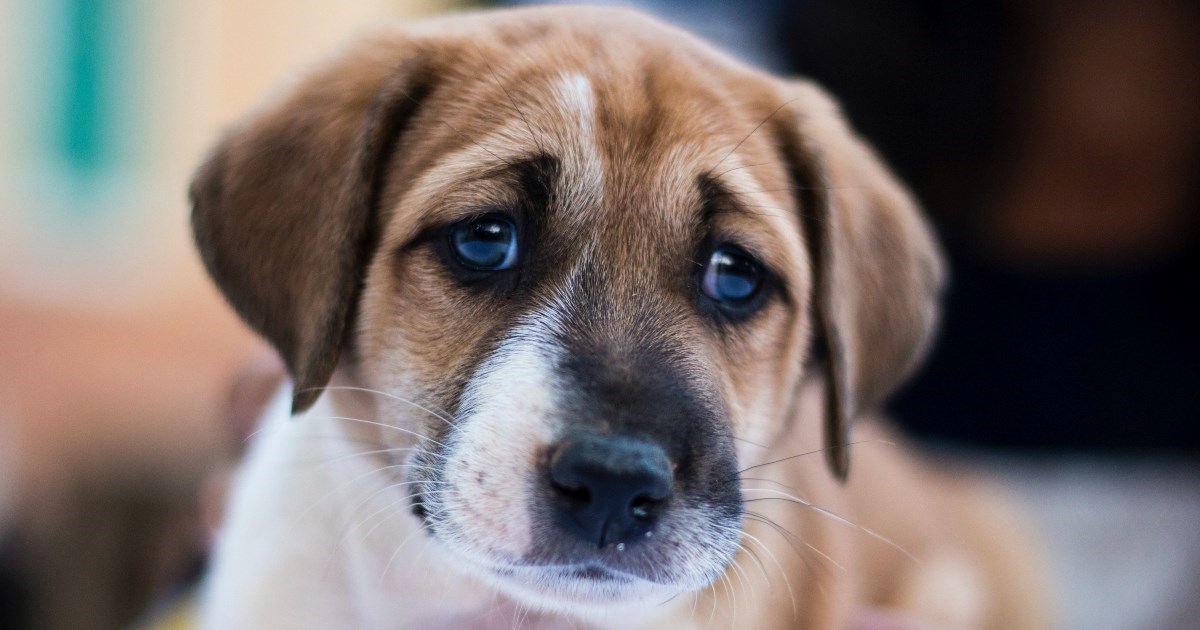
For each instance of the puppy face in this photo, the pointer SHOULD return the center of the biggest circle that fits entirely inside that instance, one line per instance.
(610, 329)
(587, 282)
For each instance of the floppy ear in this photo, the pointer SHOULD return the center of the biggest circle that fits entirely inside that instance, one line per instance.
(877, 270)
(283, 209)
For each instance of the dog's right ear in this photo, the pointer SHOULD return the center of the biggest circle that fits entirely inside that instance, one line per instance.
(878, 274)
(283, 210)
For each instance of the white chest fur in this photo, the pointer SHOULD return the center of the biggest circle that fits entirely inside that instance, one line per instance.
(313, 537)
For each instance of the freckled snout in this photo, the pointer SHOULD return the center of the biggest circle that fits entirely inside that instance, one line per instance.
(609, 490)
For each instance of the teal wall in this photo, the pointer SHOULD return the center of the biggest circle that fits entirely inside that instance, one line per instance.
(83, 105)
(86, 99)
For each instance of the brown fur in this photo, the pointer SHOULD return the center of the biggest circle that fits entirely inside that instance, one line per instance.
(309, 217)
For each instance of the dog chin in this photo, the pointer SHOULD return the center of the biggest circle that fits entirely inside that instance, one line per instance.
(585, 590)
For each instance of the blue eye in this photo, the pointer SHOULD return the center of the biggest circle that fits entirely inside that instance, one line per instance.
(732, 277)
(485, 244)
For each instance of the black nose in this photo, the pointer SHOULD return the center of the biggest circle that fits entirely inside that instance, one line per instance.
(609, 490)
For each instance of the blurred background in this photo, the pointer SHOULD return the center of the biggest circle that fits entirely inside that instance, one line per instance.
(1056, 147)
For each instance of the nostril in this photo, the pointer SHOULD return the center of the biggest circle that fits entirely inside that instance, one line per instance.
(644, 507)
(578, 494)
(566, 476)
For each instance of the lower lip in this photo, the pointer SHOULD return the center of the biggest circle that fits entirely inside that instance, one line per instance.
(594, 573)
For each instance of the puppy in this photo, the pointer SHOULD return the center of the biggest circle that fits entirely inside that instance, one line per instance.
(582, 318)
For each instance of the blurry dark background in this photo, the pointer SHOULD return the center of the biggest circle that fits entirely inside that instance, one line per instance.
(1055, 146)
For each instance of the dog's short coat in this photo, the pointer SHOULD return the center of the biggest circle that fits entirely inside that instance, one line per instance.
(637, 411)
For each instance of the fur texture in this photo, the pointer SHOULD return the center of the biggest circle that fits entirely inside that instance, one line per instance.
(413, 489)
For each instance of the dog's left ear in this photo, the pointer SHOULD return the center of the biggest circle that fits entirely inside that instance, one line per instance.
(877, 270)
(283, 210)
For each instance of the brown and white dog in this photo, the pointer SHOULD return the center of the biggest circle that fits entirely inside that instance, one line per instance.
(579, 314)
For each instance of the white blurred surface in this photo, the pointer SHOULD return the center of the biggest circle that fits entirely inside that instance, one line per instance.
(1123, 537)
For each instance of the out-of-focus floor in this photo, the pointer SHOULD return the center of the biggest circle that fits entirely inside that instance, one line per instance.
(1122, 536)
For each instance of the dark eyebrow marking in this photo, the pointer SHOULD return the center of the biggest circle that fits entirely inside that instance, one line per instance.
(715, 198)
(710, 192)
(532, 180)
(536, 177)
(718, 198)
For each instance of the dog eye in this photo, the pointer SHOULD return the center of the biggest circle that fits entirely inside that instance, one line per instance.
(732, 277)
(486, 243)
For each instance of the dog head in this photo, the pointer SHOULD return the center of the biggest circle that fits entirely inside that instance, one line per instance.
(587, 260)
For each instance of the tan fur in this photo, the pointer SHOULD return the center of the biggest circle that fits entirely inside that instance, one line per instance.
(308, 216)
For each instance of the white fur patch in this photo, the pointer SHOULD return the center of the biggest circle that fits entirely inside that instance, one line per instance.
(575, 93)
(574, 100)
(509, 418)
(307, 517)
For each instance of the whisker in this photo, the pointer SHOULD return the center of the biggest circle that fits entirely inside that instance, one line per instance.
(372, 496)
(761, 567)
(732, 598)
(341, 437)
(443, 415)
(742, 578)
(813, 452)
(342, 486)
(826, 556)
(668, 600)
(524, 609)
(348, 529)
(787, 536)
(392, 558)
(786, 581)
(713, 611)
(411, 466)
(820, 510)
(752, 132)
(765, 480)
(435, 493)
(528, 127)
(742, 209)
(736, 168)
(383, 451)
(791, 539)
(393, 506)
(749, 442)
(383, 425)
(728, 193)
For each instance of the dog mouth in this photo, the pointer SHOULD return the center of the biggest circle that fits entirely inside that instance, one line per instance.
(563, 574)
(595, 573)
(592, 570)
(634, 536)
(586, 584)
